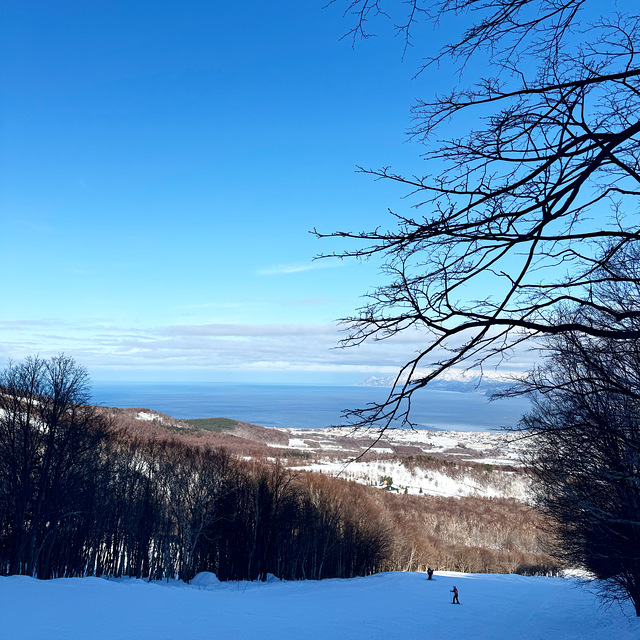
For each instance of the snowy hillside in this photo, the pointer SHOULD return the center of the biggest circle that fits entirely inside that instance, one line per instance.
(453, 483)
(485, 469)
(440, 463)
(384, 606)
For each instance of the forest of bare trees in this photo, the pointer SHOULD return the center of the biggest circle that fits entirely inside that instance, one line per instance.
(79, 497)
(585, 428)
(82, 495)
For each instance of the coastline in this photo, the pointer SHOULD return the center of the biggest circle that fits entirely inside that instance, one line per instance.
(304, 406)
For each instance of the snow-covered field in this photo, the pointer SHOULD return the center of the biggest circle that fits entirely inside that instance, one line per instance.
(384, 606)
(498, 484)
(335, 449)
(505, 448)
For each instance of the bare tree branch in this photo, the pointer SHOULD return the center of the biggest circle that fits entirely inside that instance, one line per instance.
(522, 217)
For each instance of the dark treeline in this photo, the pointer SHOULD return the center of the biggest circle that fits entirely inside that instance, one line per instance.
(169, 509)
(80, 495)
(162, 508)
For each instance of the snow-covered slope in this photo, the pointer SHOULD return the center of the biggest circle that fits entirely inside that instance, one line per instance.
(397, 455)
(444, 482)
(502, 448)
(385, 606)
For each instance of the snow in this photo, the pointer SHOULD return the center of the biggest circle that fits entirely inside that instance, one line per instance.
(386, 605)
(428, 482)
(146, 416)
(205, 579)
(453, 375)
(500, 450)
(297, 443)
(510, 447)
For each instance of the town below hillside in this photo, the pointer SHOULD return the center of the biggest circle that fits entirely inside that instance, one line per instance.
(427, 462)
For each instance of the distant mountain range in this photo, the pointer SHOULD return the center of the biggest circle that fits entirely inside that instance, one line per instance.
(452, 381)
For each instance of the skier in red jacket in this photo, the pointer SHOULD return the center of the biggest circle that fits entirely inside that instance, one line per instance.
(455, 596)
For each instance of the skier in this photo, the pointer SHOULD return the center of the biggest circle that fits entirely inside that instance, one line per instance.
(455, 596)
(429, 573)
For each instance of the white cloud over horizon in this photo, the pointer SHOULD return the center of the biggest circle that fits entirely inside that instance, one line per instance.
(216, 348)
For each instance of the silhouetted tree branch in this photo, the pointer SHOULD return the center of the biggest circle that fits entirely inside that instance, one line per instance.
(521, 217)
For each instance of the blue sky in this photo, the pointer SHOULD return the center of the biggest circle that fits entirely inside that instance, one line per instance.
(163, 163)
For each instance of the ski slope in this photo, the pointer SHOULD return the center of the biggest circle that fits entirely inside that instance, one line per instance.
(385, 606)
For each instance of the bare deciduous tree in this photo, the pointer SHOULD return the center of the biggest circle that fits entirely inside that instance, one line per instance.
(586, 455)
(585, 437)
(522, 216)
(49, 448)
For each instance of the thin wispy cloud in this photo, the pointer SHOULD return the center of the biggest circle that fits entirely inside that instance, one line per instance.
(283, 269)
(250, 330)
(16, 325)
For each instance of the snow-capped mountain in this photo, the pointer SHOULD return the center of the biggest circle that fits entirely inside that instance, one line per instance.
(461, 381)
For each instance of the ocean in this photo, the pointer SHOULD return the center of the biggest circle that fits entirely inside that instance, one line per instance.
(305, 406)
